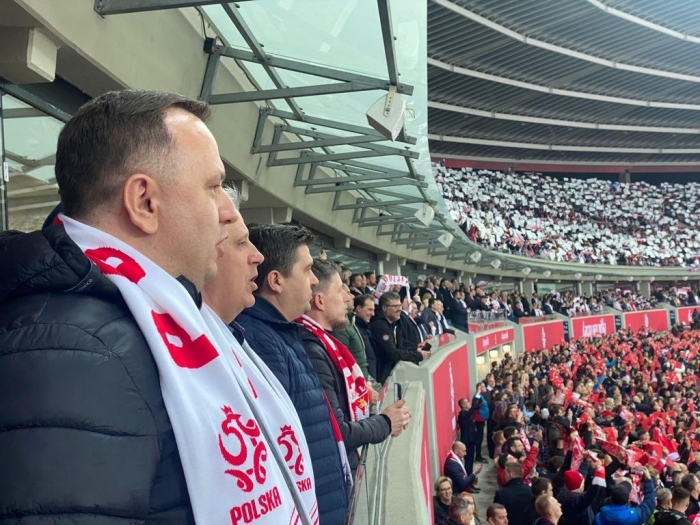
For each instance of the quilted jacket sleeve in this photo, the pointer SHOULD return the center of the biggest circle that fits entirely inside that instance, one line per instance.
(371, 430)
(78, 443)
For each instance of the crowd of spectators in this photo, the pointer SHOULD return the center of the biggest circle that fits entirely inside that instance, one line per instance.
(472, 303)
(596, 431)
(677, 296)
(575, 220)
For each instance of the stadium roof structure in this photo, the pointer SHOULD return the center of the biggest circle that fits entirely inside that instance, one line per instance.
(316, 71)
(613, 82)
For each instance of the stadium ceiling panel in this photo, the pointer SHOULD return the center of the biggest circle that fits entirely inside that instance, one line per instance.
(615, 74)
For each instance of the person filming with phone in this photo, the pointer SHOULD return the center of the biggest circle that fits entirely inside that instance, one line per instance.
(348, 394)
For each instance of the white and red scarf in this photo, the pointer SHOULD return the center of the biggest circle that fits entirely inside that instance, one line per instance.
(356, 388)
(385, 283)
(241, 444)
(454, 457)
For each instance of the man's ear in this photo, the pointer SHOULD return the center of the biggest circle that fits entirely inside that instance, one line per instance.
(143, 201)
(275, 282)
(318, 301)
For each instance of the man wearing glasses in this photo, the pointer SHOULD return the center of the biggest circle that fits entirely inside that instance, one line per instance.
(386, 339)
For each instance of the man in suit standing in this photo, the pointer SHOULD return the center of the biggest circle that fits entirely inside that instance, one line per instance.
(467, 433)
(454, 469)
(459, 311)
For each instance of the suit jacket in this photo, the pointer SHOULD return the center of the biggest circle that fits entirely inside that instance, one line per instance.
(515, 496)
(459, 314)
(467, 427)
(429, 316)
(460, 479)
(409, 334)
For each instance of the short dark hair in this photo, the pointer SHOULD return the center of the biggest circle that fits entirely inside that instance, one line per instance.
(491, 511)
(361, 300)
(555, 463)
(689, 481)
(353, 276)
(111, 137)
(539, 486)
(387, 297)
(679, 495)
(278, 243)
(510, 431)
(324, 272)
(369, 274)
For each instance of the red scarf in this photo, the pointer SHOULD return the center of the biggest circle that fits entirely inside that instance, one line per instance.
(355, 384)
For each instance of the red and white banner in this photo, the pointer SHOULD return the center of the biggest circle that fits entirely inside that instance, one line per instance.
(685, 314)
(594, 326)
(656, 320)
(542, 336)
(425, 467)
(488, 341)
(450, 383)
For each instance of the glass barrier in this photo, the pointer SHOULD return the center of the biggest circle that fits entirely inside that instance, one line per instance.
(533, 320)
(584, 314)
(359, 511)
(480, 321)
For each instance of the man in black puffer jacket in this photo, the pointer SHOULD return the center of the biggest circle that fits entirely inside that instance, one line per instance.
(84, 434)
(327, 309)
(85, 437)
(285, 283)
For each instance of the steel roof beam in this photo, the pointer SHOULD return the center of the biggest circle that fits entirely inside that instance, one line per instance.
(364, 203)
(311, 181)
(387, 150)
(118, 7)
(392, 218)
(306, 157)
(289, 92)
(342, 126)
(310, 144)
(363, 186)
(388, 38)
(312, 69)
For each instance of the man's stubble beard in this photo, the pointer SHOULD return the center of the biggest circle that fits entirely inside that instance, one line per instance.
(339, 325)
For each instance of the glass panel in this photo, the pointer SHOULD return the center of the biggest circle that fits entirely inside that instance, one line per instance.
(346, 35)
(30, 149)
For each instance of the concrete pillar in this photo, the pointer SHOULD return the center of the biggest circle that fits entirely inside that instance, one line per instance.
(27, 55)
(467, 279)
(644, 288)
(281, 215)
(392, 267)
(527, 287)
(578, 286)
(587, 288)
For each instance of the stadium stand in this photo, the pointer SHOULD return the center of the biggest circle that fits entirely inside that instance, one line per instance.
(577, 220)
